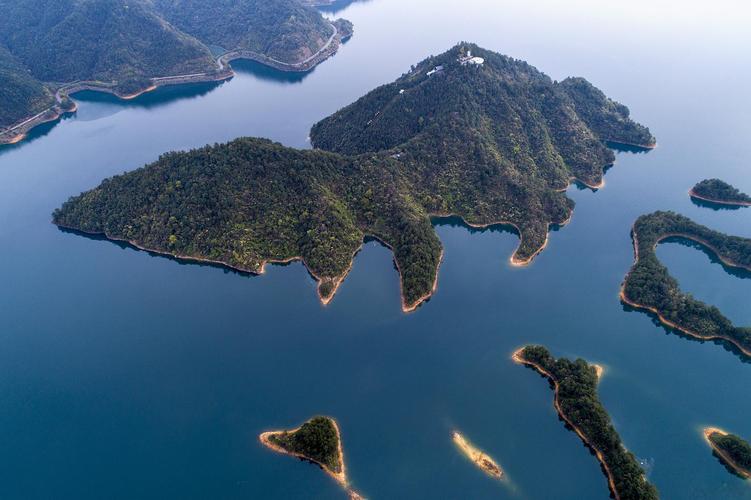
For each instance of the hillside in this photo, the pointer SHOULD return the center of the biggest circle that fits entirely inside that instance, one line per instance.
(471, 141)
(283, 29)
(22, 94)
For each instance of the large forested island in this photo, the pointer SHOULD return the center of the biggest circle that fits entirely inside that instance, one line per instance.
(734, 451)
(649, 286)
(577, 402)
(487, 138)
(51, 48)
(718, 191)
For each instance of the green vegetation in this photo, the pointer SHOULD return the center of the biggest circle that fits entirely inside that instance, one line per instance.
(579, 405)
(737, 450)
(493, 144)
(649, 284)
(317, 440)
(720, 192)
(123, 44)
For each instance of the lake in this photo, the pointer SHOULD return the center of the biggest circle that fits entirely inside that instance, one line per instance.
(127, 375)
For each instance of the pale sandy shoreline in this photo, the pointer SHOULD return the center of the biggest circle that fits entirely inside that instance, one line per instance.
(518, 358)
(657, 313)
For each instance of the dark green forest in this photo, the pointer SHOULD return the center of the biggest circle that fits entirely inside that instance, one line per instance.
(579, 402)
(317, 439)
(717, 190)
(484, 143)
(649, 283)
(737, 449)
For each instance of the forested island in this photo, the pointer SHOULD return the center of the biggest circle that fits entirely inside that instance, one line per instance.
(717, 191)
(495, 142)
(649, 285)
(577, 403)
(50, 49)
(318, 441)
(731, 450)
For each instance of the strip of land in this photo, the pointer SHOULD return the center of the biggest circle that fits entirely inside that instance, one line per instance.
(590, 421)
(478, 457)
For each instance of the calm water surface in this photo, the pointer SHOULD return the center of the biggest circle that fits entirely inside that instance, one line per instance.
(126, 375)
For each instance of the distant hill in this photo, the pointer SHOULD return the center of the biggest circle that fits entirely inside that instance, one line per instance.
(124, 44)
(69, 40)
(489, 139)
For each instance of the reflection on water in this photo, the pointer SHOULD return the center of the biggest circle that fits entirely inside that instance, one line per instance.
(267, 73)
(156, 98)
(338, 5)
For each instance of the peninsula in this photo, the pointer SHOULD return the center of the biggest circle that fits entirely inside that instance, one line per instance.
(317, 441)
(577, 403)
(720, 192)
(469, 133)
(50, 49)
(479, 458)
(650, 287)
(732, 450)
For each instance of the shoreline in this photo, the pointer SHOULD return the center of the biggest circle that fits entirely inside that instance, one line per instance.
(707, 432)
(685, 330)
(17, 132)
(693, 194)
(338, 280)
(519, 359)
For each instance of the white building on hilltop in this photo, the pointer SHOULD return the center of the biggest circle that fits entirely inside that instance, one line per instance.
(468, 59)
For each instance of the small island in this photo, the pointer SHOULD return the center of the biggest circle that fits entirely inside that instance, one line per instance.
(436, 142)
(650, 287)
(731, 450)
(317, 441)
(719, 192)
(479, 458)
(577, 403)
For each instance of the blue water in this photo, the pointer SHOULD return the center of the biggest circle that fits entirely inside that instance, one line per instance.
(127, 375)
